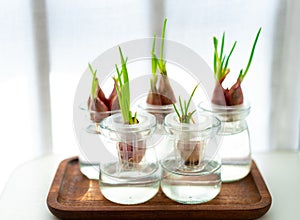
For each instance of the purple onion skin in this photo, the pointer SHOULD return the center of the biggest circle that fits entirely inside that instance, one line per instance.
(97, 107)
(228, 97)
(131, 152)
(165, 90)
(153, 98)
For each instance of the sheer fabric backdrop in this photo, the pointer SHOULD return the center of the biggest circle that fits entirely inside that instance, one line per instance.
(45, 47)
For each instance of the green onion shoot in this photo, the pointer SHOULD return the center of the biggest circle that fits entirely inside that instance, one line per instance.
(184, 115)
(123, 91)
(233, 95)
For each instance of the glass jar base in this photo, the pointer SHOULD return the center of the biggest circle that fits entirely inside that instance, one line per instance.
(130, 187)
(192, 188)
(190, 194)
(129, 195)
(234, 172)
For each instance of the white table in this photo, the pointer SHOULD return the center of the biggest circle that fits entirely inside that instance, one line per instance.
(24, 196)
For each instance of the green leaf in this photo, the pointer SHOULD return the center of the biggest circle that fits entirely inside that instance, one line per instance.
(135, 118)
(190, 99)
(184, 107)
(154, 58)
(181, 107)
(95, 82)
(189, 116)
(226, 63)
(176, 110)
(119, 75)
(215, 61)
(222, 67)
(251, 55)
(241, 74)
(154, 61)
(221, 62)
(153, 44)
(222, 46)
(163, 40)
(123, 90)
(215, 44)
(124, 68)
(130, 118)
(161, 64)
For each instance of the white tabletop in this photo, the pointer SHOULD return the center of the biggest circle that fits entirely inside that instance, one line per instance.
(24, 196)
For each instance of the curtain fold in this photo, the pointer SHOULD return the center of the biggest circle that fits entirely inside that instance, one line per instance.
(40, 88)
(79, 31)
(285, 90)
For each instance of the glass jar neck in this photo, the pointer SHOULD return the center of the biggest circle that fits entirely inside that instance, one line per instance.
(204, 126)
(233, 127)
(227, 113)
(114, 128)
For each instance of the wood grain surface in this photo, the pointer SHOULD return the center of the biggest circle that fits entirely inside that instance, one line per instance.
(73, 196)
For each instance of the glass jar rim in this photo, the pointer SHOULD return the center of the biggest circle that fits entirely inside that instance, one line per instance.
(242, 110)
(142, 104)
(84, 107)
(115, 123)
(206, 122)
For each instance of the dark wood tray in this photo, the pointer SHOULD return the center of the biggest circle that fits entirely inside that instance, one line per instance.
(73, 196)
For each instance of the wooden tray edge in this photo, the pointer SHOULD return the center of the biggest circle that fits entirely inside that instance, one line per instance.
(65, 212)
(53, 205)
(266, 199)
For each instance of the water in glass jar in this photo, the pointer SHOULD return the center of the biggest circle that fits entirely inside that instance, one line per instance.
(129, 186)
(236, 156)
(191, 187)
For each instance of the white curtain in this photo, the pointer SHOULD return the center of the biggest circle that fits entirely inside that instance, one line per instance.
(91, 27)
(25, 118)
(45, 46)
(285, 75)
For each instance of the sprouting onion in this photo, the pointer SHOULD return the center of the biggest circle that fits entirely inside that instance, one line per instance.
(164, 95)
(233, 95)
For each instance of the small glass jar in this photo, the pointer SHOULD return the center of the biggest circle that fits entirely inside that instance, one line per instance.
(191, 172)
(132, 174)
(235, 149)
(90, 138)
(160, 112)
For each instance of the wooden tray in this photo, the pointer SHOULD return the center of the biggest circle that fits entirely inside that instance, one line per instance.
(73, 196)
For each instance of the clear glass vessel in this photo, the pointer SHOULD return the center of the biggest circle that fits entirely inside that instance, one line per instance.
(90, 135)
(160, 136)
(132, 174)
(235, 150)
(159, 111)
(191, 172)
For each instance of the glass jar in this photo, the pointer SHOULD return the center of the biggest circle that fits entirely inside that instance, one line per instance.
(132, 174)
(91, 145)
(235, 149)
(160, 112)
(191, 172)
